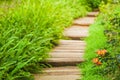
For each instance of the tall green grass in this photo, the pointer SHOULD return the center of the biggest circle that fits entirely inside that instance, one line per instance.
(96, 38)
(95, 41)
(29, 30)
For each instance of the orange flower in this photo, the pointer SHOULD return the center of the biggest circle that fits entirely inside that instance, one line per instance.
(105, 51)
(96, 61)
(101, 52)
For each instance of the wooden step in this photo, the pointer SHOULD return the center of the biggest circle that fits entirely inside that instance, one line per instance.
(71, 41)
(72, 47)
(58, 73)
(64, 61)
(67, 70)
(86, 21)
(68, 52)
(76, 32)
(66, 55)
(92, 14)
(57, 77)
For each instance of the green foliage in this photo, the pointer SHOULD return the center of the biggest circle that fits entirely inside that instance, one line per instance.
(114, 1)
(95, 41)
(96, 35)
(79, 9)
(28, 31)
(95, 3)
(109, 64)
(111, 22)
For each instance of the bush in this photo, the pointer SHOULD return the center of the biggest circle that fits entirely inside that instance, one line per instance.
(110, 63)
(95, 3)
(106, 38)
(111, 23)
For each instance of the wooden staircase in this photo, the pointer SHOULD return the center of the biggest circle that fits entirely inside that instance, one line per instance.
(69, 53)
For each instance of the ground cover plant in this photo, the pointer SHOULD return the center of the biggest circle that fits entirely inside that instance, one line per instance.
(28, 31)
(88, 68)
(112, 32)
(103, 56)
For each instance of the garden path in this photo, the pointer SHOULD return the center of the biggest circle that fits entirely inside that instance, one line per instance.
(69, 53)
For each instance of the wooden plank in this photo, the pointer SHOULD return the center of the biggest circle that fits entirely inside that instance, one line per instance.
(92, 14)
(62, 70)
(68, 50)
(86, 21)
(66, 55)
(57, 77)
(57, 60)
(71, 41)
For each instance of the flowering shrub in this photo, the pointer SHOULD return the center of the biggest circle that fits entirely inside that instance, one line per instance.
(100, 55)
(108, 58)
(107, 63)
(96, 61)
(111, 22)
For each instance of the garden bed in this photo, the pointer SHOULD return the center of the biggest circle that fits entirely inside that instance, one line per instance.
(103, 45)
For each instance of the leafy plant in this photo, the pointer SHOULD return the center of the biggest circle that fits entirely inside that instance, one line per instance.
(29, 30)
(105, 35)
(95, 40)
(109, 62)
(108, 65)
(95, 3)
